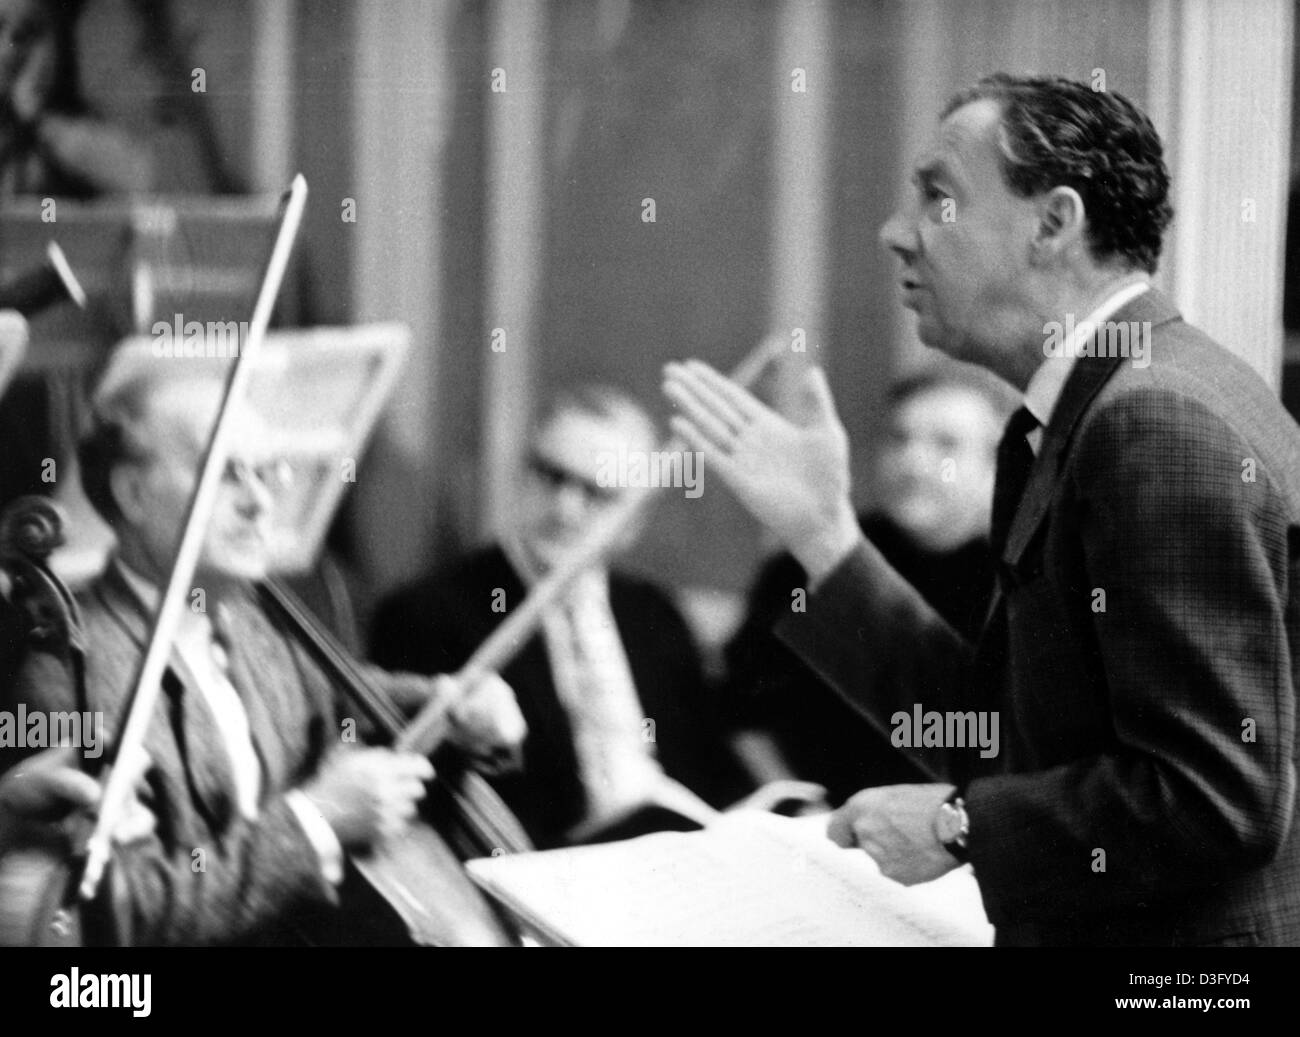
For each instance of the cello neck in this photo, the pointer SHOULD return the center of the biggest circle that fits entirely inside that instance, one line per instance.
(486, 818)
(332, 657)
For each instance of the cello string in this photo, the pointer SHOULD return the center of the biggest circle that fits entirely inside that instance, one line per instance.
(327, 651)
(490, 830)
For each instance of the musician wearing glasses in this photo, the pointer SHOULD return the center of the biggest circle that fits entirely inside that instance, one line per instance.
(258, 785)
(611, 687)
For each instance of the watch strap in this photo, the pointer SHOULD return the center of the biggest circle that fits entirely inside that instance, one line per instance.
(958, 846)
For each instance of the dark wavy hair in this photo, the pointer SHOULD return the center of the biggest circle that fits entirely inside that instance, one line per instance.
(1056, 132)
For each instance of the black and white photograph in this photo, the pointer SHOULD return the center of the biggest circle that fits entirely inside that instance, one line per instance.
(692, 474)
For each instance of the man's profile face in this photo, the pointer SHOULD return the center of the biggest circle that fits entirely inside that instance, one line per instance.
(560, 493)
(239, 532)
(936, 468)
(963, 238)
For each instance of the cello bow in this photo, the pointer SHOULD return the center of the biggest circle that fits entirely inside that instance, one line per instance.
(149, 674)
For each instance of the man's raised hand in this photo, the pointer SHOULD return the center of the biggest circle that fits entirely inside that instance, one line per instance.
(791, 472)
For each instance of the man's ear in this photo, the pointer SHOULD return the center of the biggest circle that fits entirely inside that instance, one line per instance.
(125, 483)
(1061, 222)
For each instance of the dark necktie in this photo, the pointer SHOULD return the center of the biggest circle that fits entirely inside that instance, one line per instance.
(1015, 462)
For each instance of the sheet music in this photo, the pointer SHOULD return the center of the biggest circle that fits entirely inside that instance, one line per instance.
(751, 879)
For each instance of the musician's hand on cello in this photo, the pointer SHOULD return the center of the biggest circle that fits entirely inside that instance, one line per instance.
(486, 723)
(369, 795)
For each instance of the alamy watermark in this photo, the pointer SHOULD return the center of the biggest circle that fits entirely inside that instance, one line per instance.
(930, 729)
(132, 990)
(1129, 339)
(42, 730)
(652, 469)
(182, 339)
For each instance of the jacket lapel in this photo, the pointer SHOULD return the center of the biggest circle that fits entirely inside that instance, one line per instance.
(1081, 387)
(252, 640)
(1085, 381)
(196, 737)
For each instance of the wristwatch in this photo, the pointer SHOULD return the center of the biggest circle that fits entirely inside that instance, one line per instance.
(952, 826)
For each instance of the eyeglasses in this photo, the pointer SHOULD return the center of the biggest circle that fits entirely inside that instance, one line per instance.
(556, 478)
(274, 474)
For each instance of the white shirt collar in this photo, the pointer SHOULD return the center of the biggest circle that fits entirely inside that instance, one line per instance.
(1045, 387)
(195, 653)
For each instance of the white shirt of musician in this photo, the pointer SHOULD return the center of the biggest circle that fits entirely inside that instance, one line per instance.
(206, 660)
(595, 686)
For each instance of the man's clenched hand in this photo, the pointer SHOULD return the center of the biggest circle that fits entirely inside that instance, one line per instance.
(896, 826)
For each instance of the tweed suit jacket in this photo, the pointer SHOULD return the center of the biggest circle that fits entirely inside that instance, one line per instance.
(209, 875)
(1141, 652)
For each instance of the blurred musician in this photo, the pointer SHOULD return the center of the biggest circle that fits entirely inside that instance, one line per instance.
(612, 688)
(934, 476)
(254, 791)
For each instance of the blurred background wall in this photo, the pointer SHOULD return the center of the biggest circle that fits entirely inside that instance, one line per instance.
(498, 157)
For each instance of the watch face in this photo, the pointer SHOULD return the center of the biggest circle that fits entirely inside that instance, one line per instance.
(949, 824)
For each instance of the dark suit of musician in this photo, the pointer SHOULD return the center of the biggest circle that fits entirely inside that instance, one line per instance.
(611, 686)
(217, 868)
(1152, 734)
(434, 626)
(256, 786)
(209, 874)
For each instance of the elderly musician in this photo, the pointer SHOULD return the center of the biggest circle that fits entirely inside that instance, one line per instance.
(254, 787)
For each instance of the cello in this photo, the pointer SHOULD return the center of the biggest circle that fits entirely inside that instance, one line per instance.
(42, 631)
(464, 817)
(60, 875)
(419, 874)
(421, 878)
(470, 814)
(39, 623)
(64, 875)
